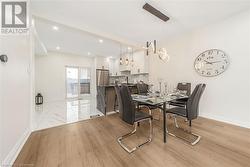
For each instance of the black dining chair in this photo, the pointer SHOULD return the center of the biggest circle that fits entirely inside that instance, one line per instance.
(184, 88)
(191, 109)
(129, 115)
(142, 88)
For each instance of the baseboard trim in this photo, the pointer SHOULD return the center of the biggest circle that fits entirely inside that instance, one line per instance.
(11, 157)
(222, 119)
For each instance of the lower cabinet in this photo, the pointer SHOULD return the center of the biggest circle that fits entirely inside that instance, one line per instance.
(106, 98)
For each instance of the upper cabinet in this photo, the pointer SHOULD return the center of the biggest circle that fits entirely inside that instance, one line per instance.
(114, 65)
(138, 63)
(135, 64)
(102, 63)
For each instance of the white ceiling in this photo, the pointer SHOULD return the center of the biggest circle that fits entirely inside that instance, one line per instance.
(125, 21)
(73, 41)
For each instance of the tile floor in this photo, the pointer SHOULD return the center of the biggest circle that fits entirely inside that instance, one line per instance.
(62, 112)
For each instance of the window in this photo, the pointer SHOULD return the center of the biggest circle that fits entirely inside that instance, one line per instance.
(77, 81)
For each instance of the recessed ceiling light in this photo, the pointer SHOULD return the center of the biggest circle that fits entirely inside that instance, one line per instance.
(55, 28)
(101, 40)
(89, 53)
(129, 48)
(58, 48)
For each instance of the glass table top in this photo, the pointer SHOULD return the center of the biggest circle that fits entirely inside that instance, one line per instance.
(156, 100)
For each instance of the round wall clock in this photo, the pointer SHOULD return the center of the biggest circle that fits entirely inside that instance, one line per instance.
(211, 63)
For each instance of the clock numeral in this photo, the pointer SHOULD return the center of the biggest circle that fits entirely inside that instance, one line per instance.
(226, 61)
(223, 67)
(203, 55)
(208, 73)
(216, 71)
(210, 52)
(210, 57)
(203, 72)
(199, 59)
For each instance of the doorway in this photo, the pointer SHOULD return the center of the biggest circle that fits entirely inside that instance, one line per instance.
(77, 82)
(77, 103)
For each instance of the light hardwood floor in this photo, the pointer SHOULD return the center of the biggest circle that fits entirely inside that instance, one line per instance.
(92, 143)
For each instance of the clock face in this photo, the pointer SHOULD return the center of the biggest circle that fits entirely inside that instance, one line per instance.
(211, 63)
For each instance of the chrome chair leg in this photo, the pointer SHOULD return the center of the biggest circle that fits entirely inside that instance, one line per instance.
(177, 126)
(175, 122)
(150, 129)
(192, 143)
(159, 117)
(150, 112)
(133, 132)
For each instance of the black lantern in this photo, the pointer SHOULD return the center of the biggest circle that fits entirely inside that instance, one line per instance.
(4, 58)
(39, 99)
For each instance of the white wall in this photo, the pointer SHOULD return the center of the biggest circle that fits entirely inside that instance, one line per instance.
(15, 93)
(227, 96)
(1, 107)
(50, 74)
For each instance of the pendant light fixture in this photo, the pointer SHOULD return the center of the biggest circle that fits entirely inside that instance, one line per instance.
(127, 56)
(132, 57)
(163, 55)
(121, 62)
(126, 62)
(161, 52)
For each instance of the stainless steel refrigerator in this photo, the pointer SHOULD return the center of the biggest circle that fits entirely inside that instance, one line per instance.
(102, 80)
(102, 77)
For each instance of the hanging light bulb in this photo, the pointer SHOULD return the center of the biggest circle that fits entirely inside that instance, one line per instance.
(154, 47)
(132, 62)
(132, 58)
(127, 54)
(126, 61)
(121, 62)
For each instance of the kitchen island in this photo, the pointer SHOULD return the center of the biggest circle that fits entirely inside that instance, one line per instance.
(106, 97)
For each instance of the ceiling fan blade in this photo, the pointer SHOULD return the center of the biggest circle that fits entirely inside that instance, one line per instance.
(155, 12)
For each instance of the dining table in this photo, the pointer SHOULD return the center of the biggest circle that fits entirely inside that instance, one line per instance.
(157, 101)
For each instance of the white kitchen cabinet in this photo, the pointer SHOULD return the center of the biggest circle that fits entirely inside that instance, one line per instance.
(110, 64)
(140, 63)
(123, 67)
(116, 66)
(101, 62)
